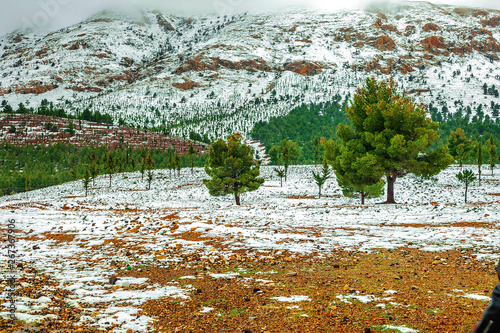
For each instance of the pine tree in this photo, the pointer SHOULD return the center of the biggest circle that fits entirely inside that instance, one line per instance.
(232, 168)
(492, 153)
(171, 160)
(94, 167)
(149, 164)
(321, 178)
(459, 146)
(357, 171)
(395, 132)
(142, 168)
(479, 148)
(72, 165)
(280, 172)
(466, 177)
(109, 163)
(87, 176)
(286, 152)
(316, 143)
(191, 153)
(178, 163)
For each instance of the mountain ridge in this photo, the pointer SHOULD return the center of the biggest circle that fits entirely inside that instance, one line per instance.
(220, 74)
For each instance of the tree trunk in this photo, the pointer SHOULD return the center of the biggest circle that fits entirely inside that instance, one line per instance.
(479, 176)
(281, 181)
(465, 193)
(109, 180)
(390, 188)
(237, 198)
(363, 197)
(319, 197)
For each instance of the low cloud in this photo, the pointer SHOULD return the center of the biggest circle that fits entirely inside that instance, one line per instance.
(53, 14)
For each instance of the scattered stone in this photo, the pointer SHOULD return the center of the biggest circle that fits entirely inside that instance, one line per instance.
(291, 274)
(113, 279)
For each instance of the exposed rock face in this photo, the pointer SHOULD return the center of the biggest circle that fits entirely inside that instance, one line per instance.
(164, 23)
(431, 27)
(492, 22)
(384, 43)
(202, 63)
(482, 41)
(410, 30)
(431, 43)
(304, 67)
(35, 88)
(186, 85)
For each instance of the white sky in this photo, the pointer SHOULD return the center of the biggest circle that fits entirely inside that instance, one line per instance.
(54, 14)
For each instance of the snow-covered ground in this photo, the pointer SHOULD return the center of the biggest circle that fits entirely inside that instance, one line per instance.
(82, 241)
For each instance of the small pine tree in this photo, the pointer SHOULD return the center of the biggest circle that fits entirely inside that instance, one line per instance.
(143, 168)
(149, 164)
(178, 164)
(232, 168)
(171, 160)
(191, 153)
(280, 172)
(109, 162)
(479, 160)
(72, 164)
(70, 129)
(27, 183)
(94, 168)
(466, 177)
(316, 143)
(87, 176)
(459, 146)
(321, 178)
(286, 152)
(492, 153)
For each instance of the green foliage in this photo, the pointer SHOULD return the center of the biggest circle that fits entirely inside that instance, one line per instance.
(285, 153)
(191, 153)
(303, 125)
(459, 145)
(149, 164)
(60, 163)
(321, 177)
(232, 168)
(466, 177)
(109, 162)
(492, 153)
(280, 172)
(86, 180)
(479, 154)
(395, 132)
(71, 128)
(358, 173)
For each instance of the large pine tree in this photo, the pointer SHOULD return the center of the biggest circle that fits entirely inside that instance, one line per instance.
(395, 131)
(232, 168)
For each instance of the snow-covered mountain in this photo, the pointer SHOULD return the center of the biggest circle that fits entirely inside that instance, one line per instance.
(219, 74)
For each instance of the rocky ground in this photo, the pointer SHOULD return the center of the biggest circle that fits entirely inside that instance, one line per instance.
(174, 259)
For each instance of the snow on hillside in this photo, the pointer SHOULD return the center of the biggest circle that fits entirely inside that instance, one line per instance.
(218, 75)
(82, 241)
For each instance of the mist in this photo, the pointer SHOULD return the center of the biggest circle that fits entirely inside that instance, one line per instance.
(48, 15)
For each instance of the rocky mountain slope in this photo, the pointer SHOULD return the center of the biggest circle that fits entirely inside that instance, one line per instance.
(221, 74)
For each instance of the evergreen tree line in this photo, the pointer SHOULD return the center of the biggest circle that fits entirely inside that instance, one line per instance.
(305, 125)
(48, 109)
(24, 168)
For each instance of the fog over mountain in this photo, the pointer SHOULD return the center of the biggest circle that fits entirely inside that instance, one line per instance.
(47, 15)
